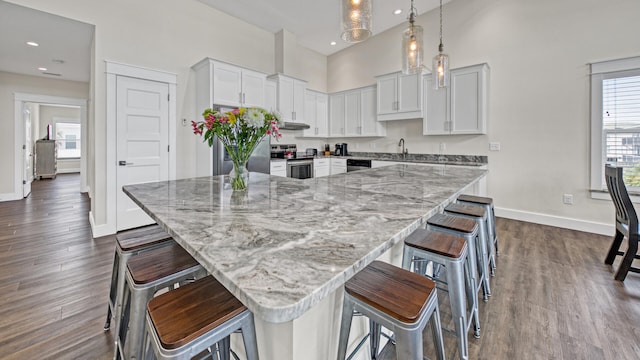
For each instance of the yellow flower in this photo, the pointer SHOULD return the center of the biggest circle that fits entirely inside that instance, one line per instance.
(232, 119)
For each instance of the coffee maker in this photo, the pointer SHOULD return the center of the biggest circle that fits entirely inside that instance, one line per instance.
(341, 150)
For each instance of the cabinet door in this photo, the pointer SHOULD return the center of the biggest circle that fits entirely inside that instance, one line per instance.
(336, 115)
(299, 88)
(368, 117)
(387, 91)
(253, 88)
(310, 113)
(270, 95)
(409, 92)
(322, 115)
(227, 85)
(285, 98)
(435, 121)
(352, 113)
(467, 105)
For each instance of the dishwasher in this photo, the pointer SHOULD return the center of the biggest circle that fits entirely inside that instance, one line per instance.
(358, 164)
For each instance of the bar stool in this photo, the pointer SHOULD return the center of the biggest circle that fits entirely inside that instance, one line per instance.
(193, 318)
(129, 243)
(479, 215)
(450, 251)
(487, 203)
(149, 272)
(468, 229)
(397, 299)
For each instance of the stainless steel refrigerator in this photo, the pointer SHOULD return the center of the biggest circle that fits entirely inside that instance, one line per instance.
(258, 162)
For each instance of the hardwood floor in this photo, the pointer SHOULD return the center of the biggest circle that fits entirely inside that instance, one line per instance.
(553, 297)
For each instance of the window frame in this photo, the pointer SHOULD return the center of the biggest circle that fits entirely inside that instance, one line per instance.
(602, 71)
(66, 120)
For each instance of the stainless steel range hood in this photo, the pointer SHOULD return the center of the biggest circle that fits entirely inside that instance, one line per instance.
(294, 126)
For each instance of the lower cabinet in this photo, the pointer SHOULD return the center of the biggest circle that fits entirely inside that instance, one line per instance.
(278, 168)
(338, 166)
(321, 167)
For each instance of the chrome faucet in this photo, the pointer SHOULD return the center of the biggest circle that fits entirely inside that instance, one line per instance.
(404, 151)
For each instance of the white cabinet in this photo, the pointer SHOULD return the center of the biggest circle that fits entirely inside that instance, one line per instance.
(338, 166)
(278, 168)
(290, 97)
(460, 108)
(321, 167)
(230, 85)
(336, 115)
(270, 95)
(353, 114)
(316, 110)
(399, 96)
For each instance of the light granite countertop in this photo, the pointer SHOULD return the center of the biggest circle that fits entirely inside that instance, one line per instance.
(288, 243)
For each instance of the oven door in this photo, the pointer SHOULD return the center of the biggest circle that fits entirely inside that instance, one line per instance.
(300, 169)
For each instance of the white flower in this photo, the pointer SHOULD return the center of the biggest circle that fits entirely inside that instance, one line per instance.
(255, 118)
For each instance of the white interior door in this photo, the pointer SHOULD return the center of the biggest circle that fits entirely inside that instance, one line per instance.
(143, 142)
(27, 176)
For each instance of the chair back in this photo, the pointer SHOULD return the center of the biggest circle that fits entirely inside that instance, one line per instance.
(625, 212)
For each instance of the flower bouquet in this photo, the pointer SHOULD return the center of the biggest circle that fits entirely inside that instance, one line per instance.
(239, 130)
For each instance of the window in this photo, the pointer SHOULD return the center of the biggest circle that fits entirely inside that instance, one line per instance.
(615, 121)
(67, 136)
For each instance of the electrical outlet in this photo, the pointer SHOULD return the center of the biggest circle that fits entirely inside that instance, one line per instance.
(494, 146)
(443, 147)
(567, 199)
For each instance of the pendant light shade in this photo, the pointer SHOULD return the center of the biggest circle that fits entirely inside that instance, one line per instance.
(440, 63)
(356, 20)
(412, 48)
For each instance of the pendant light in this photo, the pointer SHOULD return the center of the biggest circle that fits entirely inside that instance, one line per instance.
(356, 20)
(412, 49)
(440, 63)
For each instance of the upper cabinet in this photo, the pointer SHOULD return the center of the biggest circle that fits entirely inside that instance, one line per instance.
(316, 108)
(290, 97)
(353, 114)
(399, 96)
(270, 95)
(460, 108)
(230, 85)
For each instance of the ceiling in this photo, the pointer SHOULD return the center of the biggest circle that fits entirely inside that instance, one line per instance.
(316, 23)
(65, 44)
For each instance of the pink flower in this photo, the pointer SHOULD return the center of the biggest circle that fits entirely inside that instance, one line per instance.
(268, 132)
(223, 119)
(235, 111)
(196, 128)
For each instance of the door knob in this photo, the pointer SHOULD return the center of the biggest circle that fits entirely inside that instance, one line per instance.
(124, 163)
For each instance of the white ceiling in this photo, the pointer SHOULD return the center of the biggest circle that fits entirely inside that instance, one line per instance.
(59, 38)
(316, 23)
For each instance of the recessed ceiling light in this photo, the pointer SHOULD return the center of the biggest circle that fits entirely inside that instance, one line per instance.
(31, 43)
(42, 68)
(397, 12)
(333, 43)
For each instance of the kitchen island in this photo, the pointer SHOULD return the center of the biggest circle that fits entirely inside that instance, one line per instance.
(286, 247)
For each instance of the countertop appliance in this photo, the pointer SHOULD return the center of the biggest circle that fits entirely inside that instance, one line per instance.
(341, 150)
(258, 162)
(358, 164)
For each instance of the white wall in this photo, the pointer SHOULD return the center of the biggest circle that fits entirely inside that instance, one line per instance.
(14, 83)
(164, 35)
(538, 52)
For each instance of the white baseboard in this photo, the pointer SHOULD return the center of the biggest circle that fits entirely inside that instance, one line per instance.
(9, 197)
(68, 171)
(99, 230)
(558, 221)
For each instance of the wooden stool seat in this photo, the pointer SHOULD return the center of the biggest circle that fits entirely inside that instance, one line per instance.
(392, 290)
(182, 315)
(453, 223)
(133, 239)
(469, 210)
(159, 263)
(437, 242)
(476, 199)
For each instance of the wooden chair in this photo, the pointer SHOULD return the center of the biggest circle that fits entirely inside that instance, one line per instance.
(626, 223)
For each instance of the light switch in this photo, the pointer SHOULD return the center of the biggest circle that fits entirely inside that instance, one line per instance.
(494, 146)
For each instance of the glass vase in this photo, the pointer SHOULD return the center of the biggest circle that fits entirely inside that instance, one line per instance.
(239, 177)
